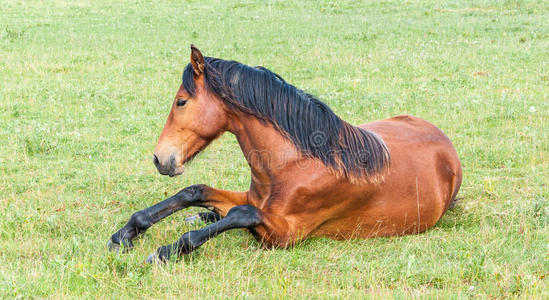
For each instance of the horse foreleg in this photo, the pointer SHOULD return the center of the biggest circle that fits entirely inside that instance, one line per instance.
(242, 216)
(196, 195)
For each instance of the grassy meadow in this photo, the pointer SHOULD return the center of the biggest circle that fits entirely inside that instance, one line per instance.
(86, 87)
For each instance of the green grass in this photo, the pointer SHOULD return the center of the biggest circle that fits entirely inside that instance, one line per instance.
(86, 87)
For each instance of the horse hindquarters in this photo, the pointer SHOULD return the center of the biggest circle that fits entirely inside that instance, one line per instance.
(424, 178)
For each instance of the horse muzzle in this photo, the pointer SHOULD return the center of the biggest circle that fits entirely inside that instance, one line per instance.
(168, 167)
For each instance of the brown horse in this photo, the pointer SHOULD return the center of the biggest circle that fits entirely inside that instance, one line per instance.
(312, 174)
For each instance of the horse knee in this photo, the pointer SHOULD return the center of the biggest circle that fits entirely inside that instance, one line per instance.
(140, 221)
(191, 193)
(245, 215)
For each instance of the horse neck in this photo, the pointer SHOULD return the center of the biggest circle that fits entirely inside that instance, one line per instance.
(265, 149)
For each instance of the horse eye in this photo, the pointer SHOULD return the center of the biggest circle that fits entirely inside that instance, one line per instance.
(181, 102)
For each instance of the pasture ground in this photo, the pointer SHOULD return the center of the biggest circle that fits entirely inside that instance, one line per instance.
(86, 87)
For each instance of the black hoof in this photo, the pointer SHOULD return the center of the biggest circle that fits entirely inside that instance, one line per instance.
(192, 219)
(115, 247)
(163, 255)
(209, 217)
(153, 259)
(206, 217)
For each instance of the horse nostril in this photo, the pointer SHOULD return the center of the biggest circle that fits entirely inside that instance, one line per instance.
(155, 160)
(165, 168)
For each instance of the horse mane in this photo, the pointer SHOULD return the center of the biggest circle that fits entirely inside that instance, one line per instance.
(314, 129)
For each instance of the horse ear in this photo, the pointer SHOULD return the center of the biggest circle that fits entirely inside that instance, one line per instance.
(197, 60)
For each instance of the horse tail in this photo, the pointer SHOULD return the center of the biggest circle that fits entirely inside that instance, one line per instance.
(454, 202)
(454, 188)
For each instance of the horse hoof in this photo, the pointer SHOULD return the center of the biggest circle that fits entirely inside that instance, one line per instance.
(123, 246)
(114, 247)
(153, 259)
(192, 219)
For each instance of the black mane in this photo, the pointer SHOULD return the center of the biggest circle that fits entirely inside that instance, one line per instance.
(308, 123)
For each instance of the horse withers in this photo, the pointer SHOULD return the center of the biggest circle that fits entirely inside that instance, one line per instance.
(312, 173)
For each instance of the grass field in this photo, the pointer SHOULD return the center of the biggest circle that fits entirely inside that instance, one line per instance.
(86, 87)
